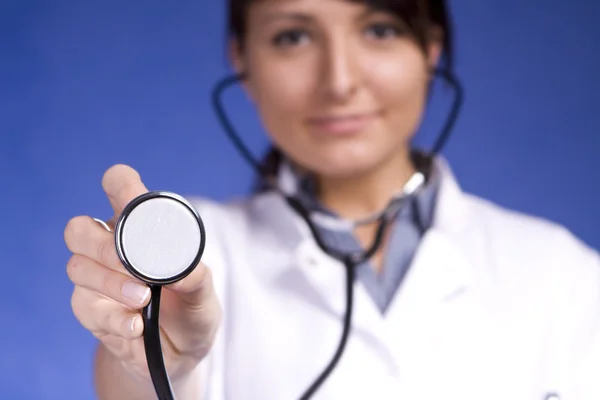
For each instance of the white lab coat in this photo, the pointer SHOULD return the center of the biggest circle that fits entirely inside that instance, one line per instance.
(496, 305)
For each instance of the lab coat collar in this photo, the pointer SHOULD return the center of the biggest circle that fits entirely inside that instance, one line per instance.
(439, 270)
(450, 220)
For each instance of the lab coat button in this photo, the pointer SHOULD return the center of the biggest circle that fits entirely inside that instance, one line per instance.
(306, 256)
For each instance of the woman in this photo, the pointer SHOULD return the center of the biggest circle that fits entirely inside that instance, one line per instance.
(464, 300)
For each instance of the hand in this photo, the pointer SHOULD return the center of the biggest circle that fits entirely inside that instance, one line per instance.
(107, 300)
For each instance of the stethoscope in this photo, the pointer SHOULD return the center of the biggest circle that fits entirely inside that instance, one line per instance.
(160, 236)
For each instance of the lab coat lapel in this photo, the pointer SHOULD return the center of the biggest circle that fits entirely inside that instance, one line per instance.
(439, 271)
(310, 274)
(438, 280)
(441, 268)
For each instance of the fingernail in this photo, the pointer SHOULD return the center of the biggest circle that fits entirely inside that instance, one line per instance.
(133, 323)
(135, 292)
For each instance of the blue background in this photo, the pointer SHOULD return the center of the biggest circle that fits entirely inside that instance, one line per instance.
(84, 85)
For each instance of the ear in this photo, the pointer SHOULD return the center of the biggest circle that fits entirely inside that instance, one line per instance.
(237, 58)
(435, 48)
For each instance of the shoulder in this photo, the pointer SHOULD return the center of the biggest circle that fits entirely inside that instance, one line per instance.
(503, 230)
(531, 254)
(528, 235)
(508, 237)
(509, 241)
(540, 270)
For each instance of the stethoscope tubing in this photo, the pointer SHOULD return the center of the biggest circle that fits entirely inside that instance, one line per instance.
(352, 260)
(150, 313)
(153, 346)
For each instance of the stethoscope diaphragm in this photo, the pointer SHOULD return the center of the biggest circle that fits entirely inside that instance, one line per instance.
(159, 237)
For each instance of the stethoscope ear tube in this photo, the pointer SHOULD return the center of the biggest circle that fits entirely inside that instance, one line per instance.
(453, 81)
(447, 75)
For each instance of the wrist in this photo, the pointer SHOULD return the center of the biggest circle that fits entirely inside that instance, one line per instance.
(116, 376)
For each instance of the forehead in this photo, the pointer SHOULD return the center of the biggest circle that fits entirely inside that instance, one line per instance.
(401, 9)
(310, 5)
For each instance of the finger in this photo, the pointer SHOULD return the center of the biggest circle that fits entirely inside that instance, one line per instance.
(108, 225)
(102, 316)
(195, 288)
(85, 236)
(87, 273)
(122, 184)
(112, 222)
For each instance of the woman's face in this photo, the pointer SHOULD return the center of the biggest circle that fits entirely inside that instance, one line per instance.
(339, 88)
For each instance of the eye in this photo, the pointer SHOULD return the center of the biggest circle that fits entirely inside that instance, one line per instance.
(383, 31)
(291, 37)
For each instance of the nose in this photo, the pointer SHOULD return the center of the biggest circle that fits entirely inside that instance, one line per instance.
(341, 71)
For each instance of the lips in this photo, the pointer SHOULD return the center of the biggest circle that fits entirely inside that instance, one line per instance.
(342, 124)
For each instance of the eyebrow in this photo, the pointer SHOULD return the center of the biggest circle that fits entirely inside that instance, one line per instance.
(294, 16)
(301, 17)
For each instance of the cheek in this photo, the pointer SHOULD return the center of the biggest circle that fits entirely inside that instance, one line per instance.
(401, 81)
(279, 85)
(400, 87)
(281, 94)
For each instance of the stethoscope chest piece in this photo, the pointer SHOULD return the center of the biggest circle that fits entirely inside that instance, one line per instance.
(159, 237)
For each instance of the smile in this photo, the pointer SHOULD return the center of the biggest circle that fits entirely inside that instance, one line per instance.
(342, 124)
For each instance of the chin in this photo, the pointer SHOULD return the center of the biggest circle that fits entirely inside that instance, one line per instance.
(343, 165)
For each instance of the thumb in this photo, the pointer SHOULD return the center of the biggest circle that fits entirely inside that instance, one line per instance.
(121, 183)
(196, 289)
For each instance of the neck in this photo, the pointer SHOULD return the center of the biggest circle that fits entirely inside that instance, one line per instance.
(357, 196)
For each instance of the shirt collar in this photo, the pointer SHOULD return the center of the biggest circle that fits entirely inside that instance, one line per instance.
(302, 187)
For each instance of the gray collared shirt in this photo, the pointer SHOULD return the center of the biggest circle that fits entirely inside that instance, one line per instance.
(415, 216)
